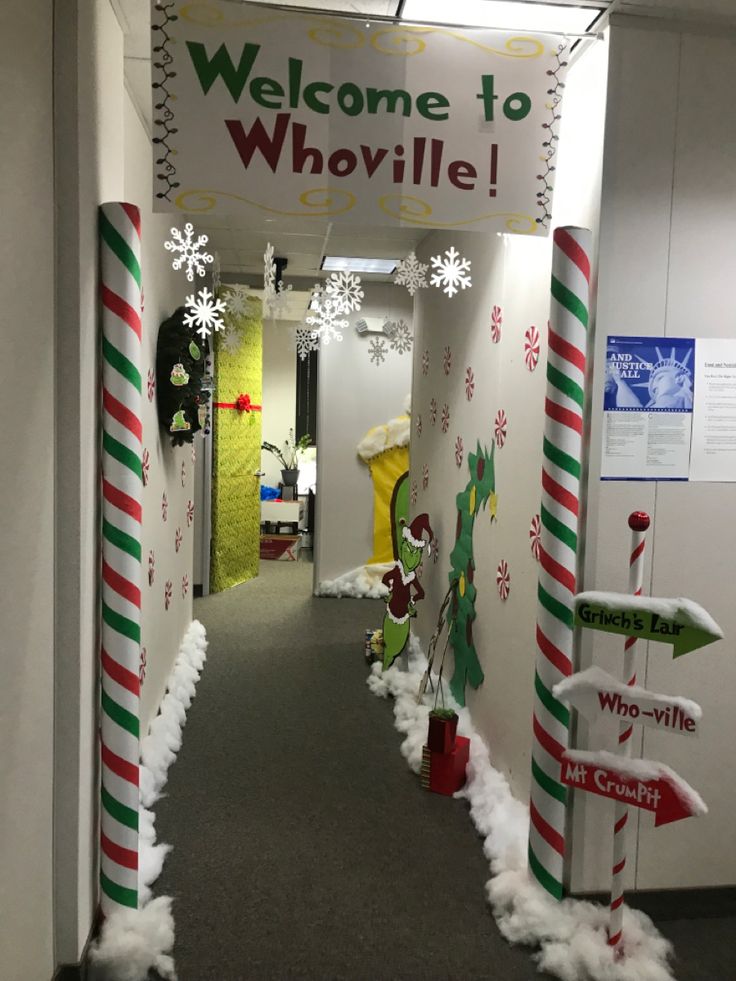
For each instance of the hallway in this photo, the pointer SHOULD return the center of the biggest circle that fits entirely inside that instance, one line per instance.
(303, 845)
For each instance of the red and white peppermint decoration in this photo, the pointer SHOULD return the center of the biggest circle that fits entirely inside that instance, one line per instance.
(425, 476)
(151, 384)
(413, 493)
(184, 585)
(145, 466)
(496, 321)
(531, 347)
(433, 411)
(183, 473)
(190, 513)
(435, 546)
(459, 451)
(194, 453)
(419, 424)
(168, 589)
(469, 383)
(500, 428)
(534, 536)
(164, 506)
(503, 579)
(178, 539)
(447, 360)
(142, 665)
(151, 567)
(445, 417)
(425, 363)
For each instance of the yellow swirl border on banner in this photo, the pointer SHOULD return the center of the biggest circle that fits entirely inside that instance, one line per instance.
(337, 34)
(515, 47)
(329, 204)
(414, 211)
(208, 15)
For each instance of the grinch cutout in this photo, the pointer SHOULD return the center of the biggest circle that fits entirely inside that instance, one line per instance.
(179, 423)
(402, 581)
(179, 376)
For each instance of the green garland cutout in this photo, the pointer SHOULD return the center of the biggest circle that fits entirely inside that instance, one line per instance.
(481, 487)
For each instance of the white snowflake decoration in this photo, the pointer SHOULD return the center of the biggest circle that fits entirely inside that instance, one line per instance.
(401, 338)
(344, 288)
(231, 341)
(204, 312)
(269, 272)
(327, 322)
(317, 298)
(275, 304)
(411, 273)
(239, 304)
(377, 351)
(307, 341)
(451, 271)
(190, 251)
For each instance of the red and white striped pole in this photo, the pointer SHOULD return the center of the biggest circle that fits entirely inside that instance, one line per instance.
(638, 522)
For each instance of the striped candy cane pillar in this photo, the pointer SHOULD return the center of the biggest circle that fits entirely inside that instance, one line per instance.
(122, 487)
(558, 551)
(638, 522)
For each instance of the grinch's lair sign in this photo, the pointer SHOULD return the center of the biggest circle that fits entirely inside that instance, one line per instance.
(284, 113)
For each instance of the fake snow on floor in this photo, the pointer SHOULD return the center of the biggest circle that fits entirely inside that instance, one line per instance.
(570, 937)
(134, 941)
(361, 583)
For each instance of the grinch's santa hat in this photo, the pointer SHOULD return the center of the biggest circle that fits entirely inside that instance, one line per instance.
(413, 532)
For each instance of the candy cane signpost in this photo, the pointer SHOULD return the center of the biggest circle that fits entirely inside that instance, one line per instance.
(645, 784)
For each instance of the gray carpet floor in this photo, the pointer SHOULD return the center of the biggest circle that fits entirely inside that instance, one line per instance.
(304, 848)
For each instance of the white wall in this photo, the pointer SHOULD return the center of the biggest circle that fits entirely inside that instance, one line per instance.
(667, 254)
(512, 272)
(353, 396)
(279, 393)
(27, 516)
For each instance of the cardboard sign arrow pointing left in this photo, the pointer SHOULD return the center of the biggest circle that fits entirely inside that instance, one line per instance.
(680, 622)
(647, 784)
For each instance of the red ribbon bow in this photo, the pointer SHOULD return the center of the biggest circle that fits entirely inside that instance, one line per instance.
(243, 403)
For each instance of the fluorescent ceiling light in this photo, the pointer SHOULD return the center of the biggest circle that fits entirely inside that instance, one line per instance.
(505, 14)
(336, 263)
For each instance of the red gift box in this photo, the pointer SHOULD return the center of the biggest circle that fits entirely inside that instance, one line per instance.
(444, 773)
(441, 734)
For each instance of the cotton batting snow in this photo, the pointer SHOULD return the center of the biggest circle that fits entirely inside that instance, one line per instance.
(133, 941)
(570, 937)
(684, 611)
(361, 583)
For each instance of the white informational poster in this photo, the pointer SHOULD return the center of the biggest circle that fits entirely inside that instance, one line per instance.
(268, 112)
(648, 408)
(714, 419)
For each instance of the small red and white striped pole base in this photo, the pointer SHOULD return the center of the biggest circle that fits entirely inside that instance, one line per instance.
(638, 522)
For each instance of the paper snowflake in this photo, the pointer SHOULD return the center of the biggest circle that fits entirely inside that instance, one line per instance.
(469, 384)
(269, 272)
(238, 303)
(401, 338)
(216, 280)
(326, 322)
(425, 363)
(451, 271)
(445, 417)
(317, 297)
(459, 451)
(411, 273)
(190, 251)
(231, 341)
(344, 289)
(377, 351)
(306, 342)
(276, 303)
(204, 312)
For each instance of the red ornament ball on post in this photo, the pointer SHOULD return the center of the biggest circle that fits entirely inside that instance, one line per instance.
(639, 521)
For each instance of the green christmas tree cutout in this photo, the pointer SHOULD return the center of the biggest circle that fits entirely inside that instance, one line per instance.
(481, 487)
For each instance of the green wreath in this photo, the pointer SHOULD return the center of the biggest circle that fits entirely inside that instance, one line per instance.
(180, 369)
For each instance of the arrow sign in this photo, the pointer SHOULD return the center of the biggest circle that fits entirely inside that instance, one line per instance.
(680, 622)
(646, 784)
(595, 692)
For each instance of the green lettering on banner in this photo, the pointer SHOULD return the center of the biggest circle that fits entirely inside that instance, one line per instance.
(311, 100)
(374, 97)
(221, 64)
(262, 87)
(428, 101)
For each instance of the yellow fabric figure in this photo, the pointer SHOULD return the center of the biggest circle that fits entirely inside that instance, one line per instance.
(386, 452)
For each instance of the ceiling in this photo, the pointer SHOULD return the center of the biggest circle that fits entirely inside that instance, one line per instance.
(240, 245)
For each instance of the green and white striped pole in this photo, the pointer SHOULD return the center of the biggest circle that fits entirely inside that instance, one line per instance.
(122, 488)
(558, 549)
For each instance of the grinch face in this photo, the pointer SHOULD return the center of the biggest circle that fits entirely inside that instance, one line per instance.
(410, 557)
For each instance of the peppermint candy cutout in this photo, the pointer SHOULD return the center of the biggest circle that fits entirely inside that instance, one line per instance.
(445, 417)
(419, 424)
(164, 506)
(433, 411)
(183, 473)
(425, 363)
(151, 384)
(145, 466)
(178, 539)
(459, 451)
(500, 428)
(142, 665)
(413, 493)
(496, 321)
(531, 348)
(168, 587)
(503, 579)
(190, 513)
(447, 360)
(535, 529)
(151, 567)
(469, 384)
(184, 585)
(425, 476)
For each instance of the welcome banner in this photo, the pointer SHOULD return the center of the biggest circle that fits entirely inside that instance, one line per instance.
(269, 112)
